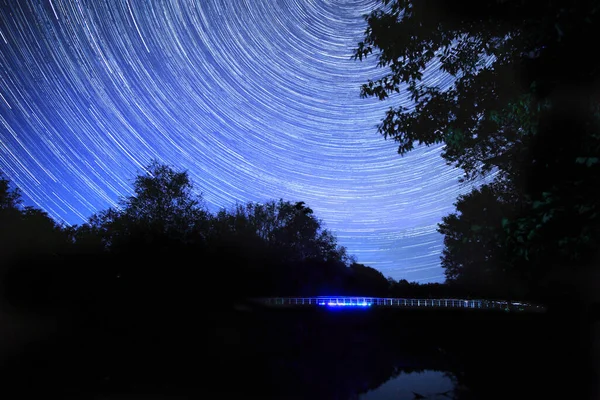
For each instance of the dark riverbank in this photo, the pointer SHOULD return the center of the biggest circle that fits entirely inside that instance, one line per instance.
(301, 354)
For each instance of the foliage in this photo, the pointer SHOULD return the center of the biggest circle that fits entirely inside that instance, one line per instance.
(163, 208)
(10, 198)
(25, 230)
(164, 197)
(521, 104)
(477, 249)
(495, 52)
(278, 247)
(282, 225)
(282, 242)
(29, 245)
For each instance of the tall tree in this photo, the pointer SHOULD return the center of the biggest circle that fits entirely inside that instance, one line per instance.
(505, 58)
(522, 103)
(368, 281)
(10, 198)
(163, 208)
(25, 230)
(279, 246)
(31, 247)
(476, 249)
(291, 229)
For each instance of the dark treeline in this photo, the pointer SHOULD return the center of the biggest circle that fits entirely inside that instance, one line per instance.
(161, 246)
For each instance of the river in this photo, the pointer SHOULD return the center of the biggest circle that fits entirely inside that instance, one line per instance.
(307, 355)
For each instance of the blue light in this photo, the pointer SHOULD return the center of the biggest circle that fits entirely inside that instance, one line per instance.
(366, 302)
(334, 304)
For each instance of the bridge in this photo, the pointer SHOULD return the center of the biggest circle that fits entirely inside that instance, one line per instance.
(399, 303)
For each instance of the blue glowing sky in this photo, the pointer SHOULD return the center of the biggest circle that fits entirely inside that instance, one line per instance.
(257, 99)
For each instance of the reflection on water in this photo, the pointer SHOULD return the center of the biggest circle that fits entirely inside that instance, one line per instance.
(408, 386)
(339, 356)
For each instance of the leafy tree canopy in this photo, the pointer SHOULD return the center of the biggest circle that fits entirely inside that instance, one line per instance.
(163, 207)
(507, 59)
(10, 198)
(25, 231)
(522, 103)
(288, 228)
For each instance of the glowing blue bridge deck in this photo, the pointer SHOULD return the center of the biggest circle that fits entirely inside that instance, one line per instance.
(368, 302)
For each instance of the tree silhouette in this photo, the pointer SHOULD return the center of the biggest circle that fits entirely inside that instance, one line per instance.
(31, 244)
(477, 250)
(279, 245)
(368, 281)
(26, 231)
(162, 210)
(10, 198)
(522, 105)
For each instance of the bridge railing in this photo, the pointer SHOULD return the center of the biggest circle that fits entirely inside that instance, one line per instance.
(356, 301)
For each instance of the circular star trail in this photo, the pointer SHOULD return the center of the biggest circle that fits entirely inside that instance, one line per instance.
(258, 100)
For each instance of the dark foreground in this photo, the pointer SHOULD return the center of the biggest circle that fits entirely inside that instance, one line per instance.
(302, 354)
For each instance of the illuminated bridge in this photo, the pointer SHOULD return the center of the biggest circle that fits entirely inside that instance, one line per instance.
(382, 302)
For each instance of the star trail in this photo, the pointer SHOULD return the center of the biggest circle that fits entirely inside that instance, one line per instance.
(257, 99)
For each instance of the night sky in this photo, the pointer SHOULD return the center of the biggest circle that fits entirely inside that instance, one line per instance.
(257, 99)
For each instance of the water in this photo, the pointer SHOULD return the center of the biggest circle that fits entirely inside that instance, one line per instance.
(339, 356)
(429, 383)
